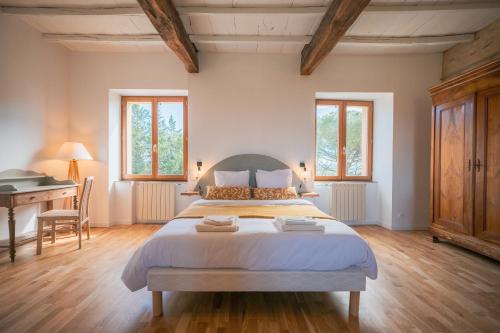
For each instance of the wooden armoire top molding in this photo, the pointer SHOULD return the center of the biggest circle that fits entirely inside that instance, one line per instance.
(480, 78)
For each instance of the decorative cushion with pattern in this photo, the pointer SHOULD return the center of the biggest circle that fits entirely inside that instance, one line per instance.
(228, 193)
(274, 193)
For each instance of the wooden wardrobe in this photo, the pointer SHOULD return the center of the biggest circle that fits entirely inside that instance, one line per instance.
(465, 161)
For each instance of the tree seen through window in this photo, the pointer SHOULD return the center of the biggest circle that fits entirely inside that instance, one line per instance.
(159, 144)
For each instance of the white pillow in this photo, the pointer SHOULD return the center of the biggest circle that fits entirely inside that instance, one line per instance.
(274, 179)
(232, 178)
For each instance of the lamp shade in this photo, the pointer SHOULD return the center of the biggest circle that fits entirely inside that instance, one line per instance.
(73, 151)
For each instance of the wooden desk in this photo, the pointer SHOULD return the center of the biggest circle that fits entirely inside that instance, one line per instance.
(19, 187)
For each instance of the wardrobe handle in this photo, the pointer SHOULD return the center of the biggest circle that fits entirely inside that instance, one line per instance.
(477, 165)
(470, 164)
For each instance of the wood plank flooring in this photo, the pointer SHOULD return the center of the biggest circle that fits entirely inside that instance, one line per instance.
(422, 287)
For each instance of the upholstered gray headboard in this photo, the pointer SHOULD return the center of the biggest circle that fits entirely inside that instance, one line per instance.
(250, 162)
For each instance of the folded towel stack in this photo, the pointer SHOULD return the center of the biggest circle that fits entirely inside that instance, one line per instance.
(298, 223)
(296, 220)
(218, 223)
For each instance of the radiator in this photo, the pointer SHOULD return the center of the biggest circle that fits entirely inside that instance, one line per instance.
(155, 201)
(349, 201)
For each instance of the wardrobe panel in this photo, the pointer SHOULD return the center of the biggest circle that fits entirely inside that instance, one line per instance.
(487, 165)
(452, 171)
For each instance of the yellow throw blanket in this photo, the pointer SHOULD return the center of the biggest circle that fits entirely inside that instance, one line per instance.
(265, 212)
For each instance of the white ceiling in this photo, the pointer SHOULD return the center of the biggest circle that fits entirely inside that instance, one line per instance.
(374, 24)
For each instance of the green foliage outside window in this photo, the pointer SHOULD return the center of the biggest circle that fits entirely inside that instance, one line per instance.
(170, 140)
(327, 141)
(170, 146)
(354, 127)
(141, 139)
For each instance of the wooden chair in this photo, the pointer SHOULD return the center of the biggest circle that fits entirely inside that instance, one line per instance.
(76, 218)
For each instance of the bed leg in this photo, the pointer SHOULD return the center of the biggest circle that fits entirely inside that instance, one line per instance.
(157, 303)
(354, 303)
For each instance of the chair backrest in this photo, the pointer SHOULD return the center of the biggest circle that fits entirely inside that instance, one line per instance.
(84, 198)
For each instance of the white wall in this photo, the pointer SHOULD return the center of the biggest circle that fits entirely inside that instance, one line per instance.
(383, 156)
(33, 113)
(92, 76)
(122, 192)
(379, 195)
(260, 104)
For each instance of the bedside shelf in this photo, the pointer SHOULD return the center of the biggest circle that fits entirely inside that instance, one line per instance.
(190, 193)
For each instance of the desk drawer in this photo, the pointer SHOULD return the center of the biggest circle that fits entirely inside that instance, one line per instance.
(40, 196)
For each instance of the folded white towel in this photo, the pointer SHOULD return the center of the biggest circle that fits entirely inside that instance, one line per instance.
(296, 220)
(220, 228)
(284, 227)
(219, 220)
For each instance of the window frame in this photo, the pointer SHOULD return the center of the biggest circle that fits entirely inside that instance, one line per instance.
(341, 174)
(154, 141)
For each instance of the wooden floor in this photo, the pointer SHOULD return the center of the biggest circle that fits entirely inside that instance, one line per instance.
(422, 287)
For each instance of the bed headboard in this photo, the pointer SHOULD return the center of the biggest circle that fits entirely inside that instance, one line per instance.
(250, 162)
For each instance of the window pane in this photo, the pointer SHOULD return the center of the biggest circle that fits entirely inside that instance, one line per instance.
(171, 138)
(139, 138)
(356, 153)
(327, 140)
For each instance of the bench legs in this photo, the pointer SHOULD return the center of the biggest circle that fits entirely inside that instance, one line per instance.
(354, 303)
(157, 303)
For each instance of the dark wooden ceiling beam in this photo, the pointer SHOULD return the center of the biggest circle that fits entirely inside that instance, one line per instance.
(166, 20)
(339, 16)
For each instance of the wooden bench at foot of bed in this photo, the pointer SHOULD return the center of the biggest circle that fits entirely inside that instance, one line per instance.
(228, 280)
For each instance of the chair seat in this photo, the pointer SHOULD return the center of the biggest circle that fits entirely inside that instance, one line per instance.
(75, 218)
(59, 214)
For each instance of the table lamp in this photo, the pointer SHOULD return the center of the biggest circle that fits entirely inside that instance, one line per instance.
(73, 152)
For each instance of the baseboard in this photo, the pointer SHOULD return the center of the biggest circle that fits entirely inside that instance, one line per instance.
(405, 228)
(99, 224)
(386, 226)
(152, 222)
(360, 223)
(121, 222)
(20, 240)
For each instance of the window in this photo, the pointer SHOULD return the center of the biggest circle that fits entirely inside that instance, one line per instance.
(154, 138)
(343, 140)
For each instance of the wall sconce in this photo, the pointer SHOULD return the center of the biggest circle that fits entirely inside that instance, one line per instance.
(199, 165)
(304, 170)
(304, 174)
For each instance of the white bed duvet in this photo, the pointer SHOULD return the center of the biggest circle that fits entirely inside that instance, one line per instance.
(258, 245)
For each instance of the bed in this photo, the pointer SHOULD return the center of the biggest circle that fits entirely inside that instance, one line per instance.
(257, 257)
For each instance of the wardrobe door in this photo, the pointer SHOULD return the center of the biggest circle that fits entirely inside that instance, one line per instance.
(453, 176)
(487, 165)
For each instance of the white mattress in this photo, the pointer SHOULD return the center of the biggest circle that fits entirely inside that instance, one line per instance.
(258, 245)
